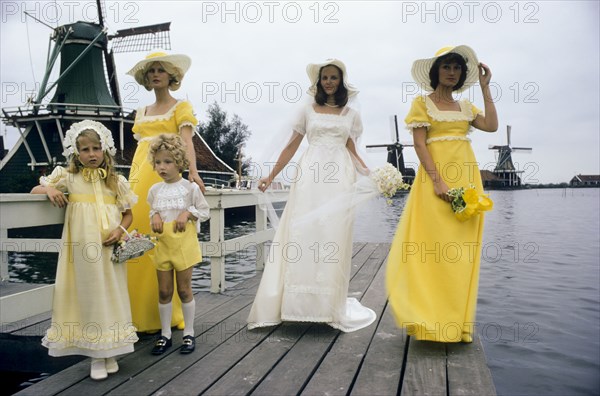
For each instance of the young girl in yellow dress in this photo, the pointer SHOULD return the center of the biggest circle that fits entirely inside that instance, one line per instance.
(177, 207)
(91, 314)
(433, 265)
(161, 73)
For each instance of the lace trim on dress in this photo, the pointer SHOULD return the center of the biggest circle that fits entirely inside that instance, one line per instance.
(413, 125)
(256, 325)
(56, 179)
(446, 138)
(140, 139)
(171, 197)
(142, 117)
(186, 123)
(101, 342)
(465, 113)
(313, 319)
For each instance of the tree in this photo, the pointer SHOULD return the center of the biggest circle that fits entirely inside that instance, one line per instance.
(226, 138)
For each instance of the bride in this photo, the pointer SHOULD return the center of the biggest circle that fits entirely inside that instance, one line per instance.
(307, 274)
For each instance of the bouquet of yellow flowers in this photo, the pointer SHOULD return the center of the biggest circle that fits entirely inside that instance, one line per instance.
(131, 246)
(388, 180)
(467, 202)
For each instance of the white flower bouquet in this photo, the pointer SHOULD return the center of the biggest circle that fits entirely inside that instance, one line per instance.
(388, 180)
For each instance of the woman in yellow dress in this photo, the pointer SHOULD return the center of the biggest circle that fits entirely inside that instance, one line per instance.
(159, 72)
(433, 266)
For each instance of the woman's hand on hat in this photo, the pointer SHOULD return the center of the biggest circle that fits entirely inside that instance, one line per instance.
(485, 75)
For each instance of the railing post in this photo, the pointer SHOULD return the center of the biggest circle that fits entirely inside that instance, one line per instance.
(3, 255)
(261, 224)
(217, 262)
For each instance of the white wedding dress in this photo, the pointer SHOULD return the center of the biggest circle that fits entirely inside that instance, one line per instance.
(307, 272)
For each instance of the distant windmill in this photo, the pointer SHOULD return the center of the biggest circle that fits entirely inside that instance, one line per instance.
(86, 88)
(395, 156)
(505, 173)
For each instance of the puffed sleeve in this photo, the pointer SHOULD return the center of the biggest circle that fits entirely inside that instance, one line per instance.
(199, 207)
(417, 117)
(476, 111)
(150, 200)
(300, 123)
(357, 127)
(184, 115)
(125, 197)
(57, 179)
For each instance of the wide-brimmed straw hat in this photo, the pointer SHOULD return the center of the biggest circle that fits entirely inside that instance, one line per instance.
(313, 74)
(179, 61)
(421, 67)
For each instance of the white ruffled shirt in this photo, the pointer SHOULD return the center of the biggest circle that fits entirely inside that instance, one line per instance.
(170, 199)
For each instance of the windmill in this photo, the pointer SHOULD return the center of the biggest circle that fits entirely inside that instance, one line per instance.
(395, 156)
(505, 173)
(86, 88)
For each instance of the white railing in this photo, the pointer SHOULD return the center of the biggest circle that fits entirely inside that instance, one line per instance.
(27, 210)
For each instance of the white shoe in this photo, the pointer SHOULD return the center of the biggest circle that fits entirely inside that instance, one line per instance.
(98, 369)
(111, 365)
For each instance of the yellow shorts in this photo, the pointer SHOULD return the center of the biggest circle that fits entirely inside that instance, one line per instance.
(176, 250)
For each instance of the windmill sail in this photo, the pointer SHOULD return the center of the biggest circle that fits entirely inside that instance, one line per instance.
(143, 38)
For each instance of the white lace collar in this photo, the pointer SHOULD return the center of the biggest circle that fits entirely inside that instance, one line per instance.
(142, 117)
(465, 113)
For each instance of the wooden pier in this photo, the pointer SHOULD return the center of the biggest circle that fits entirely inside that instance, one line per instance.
(289, 359)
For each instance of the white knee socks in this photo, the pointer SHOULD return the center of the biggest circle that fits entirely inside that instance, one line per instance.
(189, 312)
(164, 311)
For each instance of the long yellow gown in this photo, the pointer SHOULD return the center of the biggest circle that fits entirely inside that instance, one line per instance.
(433, 266)
(142, 281)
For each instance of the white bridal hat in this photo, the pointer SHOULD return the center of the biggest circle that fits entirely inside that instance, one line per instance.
(313, 70)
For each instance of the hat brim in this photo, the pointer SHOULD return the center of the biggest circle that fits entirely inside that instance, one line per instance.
(180, 61)
(313, 70)
(421, 67)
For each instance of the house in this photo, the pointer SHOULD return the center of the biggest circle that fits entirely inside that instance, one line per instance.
(585, 181)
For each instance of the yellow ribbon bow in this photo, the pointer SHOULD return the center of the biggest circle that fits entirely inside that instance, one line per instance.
(94, 176)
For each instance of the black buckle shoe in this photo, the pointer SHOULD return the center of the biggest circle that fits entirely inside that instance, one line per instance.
(189, 344)
(162, 344)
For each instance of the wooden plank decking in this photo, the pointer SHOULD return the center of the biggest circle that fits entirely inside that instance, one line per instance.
(289, 359)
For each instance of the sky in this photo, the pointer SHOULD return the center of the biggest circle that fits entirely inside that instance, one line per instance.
(251, 57)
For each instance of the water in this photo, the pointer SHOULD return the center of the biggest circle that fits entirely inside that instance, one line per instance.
(540, 288)
(538, 311)
(538, 308)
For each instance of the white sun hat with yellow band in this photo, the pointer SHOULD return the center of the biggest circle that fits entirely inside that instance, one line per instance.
(421, 67)
(181, 62)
